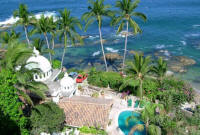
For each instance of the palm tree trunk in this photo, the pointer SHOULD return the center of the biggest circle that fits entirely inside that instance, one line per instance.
(26, 33)
(47, 41)
(125, 46)
(53, 43)
(104, 57)
(141, 91)
(63, 56)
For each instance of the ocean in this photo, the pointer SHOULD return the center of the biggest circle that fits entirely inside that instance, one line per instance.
(172, 29)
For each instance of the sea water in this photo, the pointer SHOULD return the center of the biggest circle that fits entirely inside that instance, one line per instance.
(172, 28)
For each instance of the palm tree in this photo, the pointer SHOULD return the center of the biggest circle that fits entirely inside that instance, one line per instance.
(126, 14)
(15, 60)
(38, 44)
(42, 27)
(97, 10)
(52, 30)
(160, 69)
(139, 127)
(148, 115)
(67, 25)
(8, 37)
(24, 19)
(139, 68)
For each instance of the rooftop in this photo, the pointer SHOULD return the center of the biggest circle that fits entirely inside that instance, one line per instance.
(86, 111)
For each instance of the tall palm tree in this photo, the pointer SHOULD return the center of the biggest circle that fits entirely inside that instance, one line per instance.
(139, 68)
(52, 30)
(42, 27)
(97, 10)
(160, 69)
(24, 19)
(67, 30)
(125, 16)
(8, 37)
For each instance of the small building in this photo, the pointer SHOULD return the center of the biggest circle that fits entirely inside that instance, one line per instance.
(68, 86)
(86, 111)
(37, 61)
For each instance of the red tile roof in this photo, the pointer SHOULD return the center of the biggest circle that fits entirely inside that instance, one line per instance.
(86, 111)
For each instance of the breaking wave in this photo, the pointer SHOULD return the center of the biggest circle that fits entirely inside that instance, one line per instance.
(111, 50)
(96, 53)
(11, 20)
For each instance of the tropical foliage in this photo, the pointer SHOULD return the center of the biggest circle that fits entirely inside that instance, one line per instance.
(92, 130)
(97, 10)
(24, 19)
(138, 70)
(105, 79)
(47, 117)
(8, 37)
(163, 95)
(12, 120)
(67, 30)
(126, 13)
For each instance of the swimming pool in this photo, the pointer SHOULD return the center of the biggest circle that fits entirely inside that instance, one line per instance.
(126, 128)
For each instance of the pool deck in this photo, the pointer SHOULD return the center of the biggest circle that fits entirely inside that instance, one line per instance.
(119, 105)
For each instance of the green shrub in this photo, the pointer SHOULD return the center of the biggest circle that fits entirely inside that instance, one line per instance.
(56, 64)
(12, 119)
(103, 79)
(151, 89)
(47, 117)
(74, 70)
(95, 94)
(61, 75)
(92, 130)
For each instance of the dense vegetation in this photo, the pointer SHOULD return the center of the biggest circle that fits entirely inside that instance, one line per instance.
(161, 95)
(47, 117)
(12, 120)
(92, 130)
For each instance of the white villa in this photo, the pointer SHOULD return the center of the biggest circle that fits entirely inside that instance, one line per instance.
(66, 87)
(38, 61)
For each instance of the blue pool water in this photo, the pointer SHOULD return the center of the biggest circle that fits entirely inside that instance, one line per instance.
(126, 128)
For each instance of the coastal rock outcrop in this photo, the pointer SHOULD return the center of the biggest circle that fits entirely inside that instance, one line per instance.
(179, 63)
(98, 41)
(133, 52)
(112, 56)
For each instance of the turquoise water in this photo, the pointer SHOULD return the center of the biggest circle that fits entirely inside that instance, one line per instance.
(173, 26)
(126, 129)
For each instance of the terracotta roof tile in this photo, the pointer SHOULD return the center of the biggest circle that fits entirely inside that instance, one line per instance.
(86, 111)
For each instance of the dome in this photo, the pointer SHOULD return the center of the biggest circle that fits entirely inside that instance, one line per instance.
(67, 81)
(38, 62)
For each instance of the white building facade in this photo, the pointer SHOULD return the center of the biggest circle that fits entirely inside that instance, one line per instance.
(41, 63)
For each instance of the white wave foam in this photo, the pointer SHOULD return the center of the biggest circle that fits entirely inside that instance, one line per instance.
(111, 50)
(96, 53)
(46, 14)
(11, 20)
(192, 35)
(183, 42)
(93, 37)
(165, 52)
(196, 25)
(160, 46)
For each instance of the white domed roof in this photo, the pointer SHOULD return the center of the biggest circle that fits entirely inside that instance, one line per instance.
(38, 61)
(67, 81)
